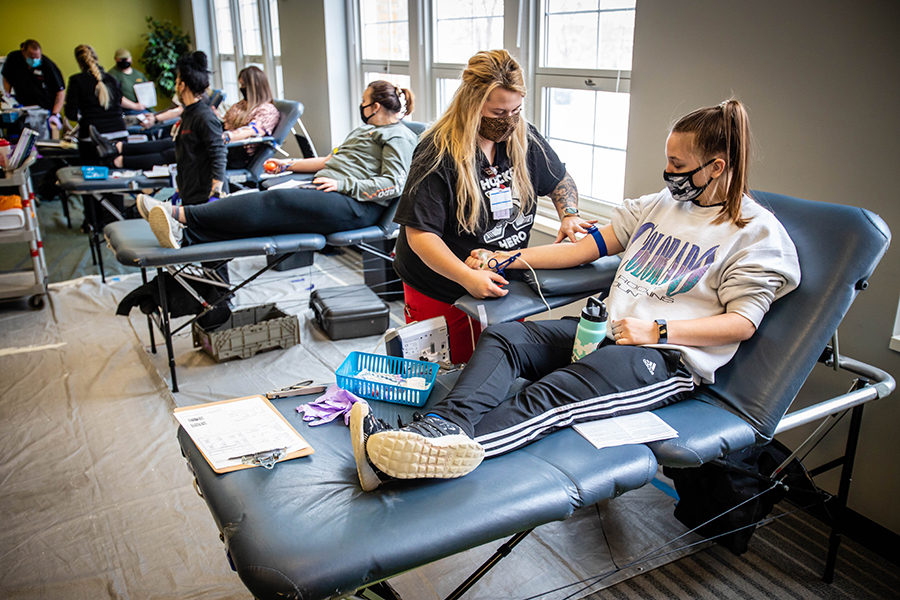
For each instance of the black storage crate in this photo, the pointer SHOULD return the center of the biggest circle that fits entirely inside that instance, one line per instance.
(248, 331)
(349, 312)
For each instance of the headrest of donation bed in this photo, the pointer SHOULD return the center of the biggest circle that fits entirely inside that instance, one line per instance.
(769, 369)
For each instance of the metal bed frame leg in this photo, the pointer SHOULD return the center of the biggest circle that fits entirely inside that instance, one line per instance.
(149, 318)
(501, 553)
(164, 308)
(837, 525)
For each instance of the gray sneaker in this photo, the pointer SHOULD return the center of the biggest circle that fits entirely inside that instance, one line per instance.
(145, 203)
(362, 425)
(429, 447)
(166, 229)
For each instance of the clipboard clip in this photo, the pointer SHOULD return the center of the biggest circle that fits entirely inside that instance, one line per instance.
(301, 388)
(266, 458)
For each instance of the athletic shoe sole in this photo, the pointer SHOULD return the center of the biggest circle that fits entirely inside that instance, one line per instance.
(368, 479)
(161, 225)
(142, 208)
(408, 455)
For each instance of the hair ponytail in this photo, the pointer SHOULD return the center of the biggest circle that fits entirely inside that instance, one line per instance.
(723, 131)
(396, 100)
(87, 60)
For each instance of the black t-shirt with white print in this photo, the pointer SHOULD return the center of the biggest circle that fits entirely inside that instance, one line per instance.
(432, 208)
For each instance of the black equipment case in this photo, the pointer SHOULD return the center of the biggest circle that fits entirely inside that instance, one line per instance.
(349, 312)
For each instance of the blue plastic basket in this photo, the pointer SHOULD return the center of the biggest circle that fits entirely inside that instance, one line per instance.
(371, 390)
(92, 172)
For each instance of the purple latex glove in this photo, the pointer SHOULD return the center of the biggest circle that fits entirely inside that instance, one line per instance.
(329, 406)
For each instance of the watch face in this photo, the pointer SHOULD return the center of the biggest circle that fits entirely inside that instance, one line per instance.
(570, 211)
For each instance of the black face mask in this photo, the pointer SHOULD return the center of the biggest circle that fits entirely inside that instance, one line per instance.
(244, 92)
(362, 112)
(123, 64)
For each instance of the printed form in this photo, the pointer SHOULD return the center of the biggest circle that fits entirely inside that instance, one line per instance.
(227, 431)
(630, 429)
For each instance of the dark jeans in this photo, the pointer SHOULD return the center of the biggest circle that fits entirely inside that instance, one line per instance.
(144, 155)
(276, 212)
(611, 381)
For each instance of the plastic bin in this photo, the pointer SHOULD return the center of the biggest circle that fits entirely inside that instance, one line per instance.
(248, 331)
(371, 390)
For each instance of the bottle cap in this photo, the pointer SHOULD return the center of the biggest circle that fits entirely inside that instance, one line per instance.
(594, 311)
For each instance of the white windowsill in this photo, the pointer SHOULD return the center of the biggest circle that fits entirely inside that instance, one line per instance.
(895, 343)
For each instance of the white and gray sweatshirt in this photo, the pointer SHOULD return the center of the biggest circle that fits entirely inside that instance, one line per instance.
(678, 265)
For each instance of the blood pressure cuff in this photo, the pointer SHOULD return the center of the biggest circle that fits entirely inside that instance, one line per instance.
(587, 279)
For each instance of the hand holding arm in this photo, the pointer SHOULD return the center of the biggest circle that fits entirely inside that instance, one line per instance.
(435, 253)
(564, 196)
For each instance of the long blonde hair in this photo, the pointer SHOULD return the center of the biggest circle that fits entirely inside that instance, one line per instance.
(455, 136)
(723, 131)
(87, 60)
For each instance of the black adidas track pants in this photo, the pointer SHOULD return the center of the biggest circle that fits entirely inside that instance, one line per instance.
(609, 382)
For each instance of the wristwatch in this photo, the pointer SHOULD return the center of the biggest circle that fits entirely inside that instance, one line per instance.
(570, 211)
(663, 331)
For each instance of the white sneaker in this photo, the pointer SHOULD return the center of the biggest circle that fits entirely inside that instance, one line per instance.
(145, 203)
(166, 229)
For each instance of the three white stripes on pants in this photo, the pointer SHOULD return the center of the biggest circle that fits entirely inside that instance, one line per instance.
(505, 440)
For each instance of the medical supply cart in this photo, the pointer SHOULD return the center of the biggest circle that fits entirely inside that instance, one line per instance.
(31, 284)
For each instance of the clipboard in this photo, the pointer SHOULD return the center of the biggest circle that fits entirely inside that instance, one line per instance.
(241, 433)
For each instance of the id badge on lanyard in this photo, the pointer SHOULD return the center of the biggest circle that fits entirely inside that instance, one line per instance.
(501, 203)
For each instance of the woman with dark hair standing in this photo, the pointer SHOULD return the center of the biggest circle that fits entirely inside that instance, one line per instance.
(94, 99)
(351, 189)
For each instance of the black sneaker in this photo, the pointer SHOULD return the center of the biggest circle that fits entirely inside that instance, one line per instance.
(429, 447)
(105, 147)
(362, 425)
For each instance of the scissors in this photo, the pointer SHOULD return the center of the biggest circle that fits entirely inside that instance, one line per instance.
(500, 267)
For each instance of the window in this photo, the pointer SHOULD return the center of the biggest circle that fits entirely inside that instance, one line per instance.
(576, 55)
(245, 33)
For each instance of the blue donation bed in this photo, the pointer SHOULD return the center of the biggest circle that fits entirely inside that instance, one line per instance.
(306, 529)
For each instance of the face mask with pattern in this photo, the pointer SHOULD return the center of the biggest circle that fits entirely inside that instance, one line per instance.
(498, 129)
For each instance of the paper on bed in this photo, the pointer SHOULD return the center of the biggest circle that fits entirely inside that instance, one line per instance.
(146, 93)
(630, 429)
(226, 431)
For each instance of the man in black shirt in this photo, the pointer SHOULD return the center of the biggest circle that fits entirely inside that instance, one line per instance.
(35, 79)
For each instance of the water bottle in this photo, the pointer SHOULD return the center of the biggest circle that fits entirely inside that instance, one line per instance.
(591, 328)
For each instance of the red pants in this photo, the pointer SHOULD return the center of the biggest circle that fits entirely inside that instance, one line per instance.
(462, 330)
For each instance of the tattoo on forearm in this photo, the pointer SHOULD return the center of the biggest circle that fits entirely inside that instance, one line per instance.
(565, 194)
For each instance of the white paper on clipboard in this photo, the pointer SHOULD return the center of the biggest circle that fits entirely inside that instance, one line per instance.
(226, 431)
(146, 93)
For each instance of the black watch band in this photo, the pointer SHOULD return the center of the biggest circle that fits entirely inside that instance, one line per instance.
(663, 330)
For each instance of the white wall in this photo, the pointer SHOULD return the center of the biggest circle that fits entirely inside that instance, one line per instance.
(820, 80)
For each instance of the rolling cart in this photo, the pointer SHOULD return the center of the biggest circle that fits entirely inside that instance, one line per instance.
(31, 284)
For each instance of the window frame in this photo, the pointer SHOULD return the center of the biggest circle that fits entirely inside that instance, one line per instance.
(523, 36)
(271, 63)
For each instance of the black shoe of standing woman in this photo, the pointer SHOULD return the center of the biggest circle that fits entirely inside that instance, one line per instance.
(105, 147)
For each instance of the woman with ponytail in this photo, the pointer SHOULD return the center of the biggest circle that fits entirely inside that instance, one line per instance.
(351, 188)
(702, 263)
(474, 182)
(94, 98)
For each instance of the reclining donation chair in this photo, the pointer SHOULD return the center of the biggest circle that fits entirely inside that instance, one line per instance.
(248, 177)
(305, 529)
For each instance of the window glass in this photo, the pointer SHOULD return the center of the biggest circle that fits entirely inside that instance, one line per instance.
(401, 81)
(589, 131)
(445, 90)
(588, 35)
(276, 28)
(463, 27)
(279, 82)
(250, 38)
(229, 81)
(385, 29)
(224, 36)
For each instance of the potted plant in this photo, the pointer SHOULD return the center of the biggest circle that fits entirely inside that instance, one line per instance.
(166, 43)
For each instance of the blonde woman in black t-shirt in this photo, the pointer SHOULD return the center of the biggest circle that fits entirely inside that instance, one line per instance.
(474, 183)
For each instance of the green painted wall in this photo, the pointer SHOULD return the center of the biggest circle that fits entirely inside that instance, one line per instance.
(60, 25)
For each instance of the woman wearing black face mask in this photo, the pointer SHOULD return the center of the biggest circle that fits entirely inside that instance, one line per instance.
(474, 182)
(253, 116)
